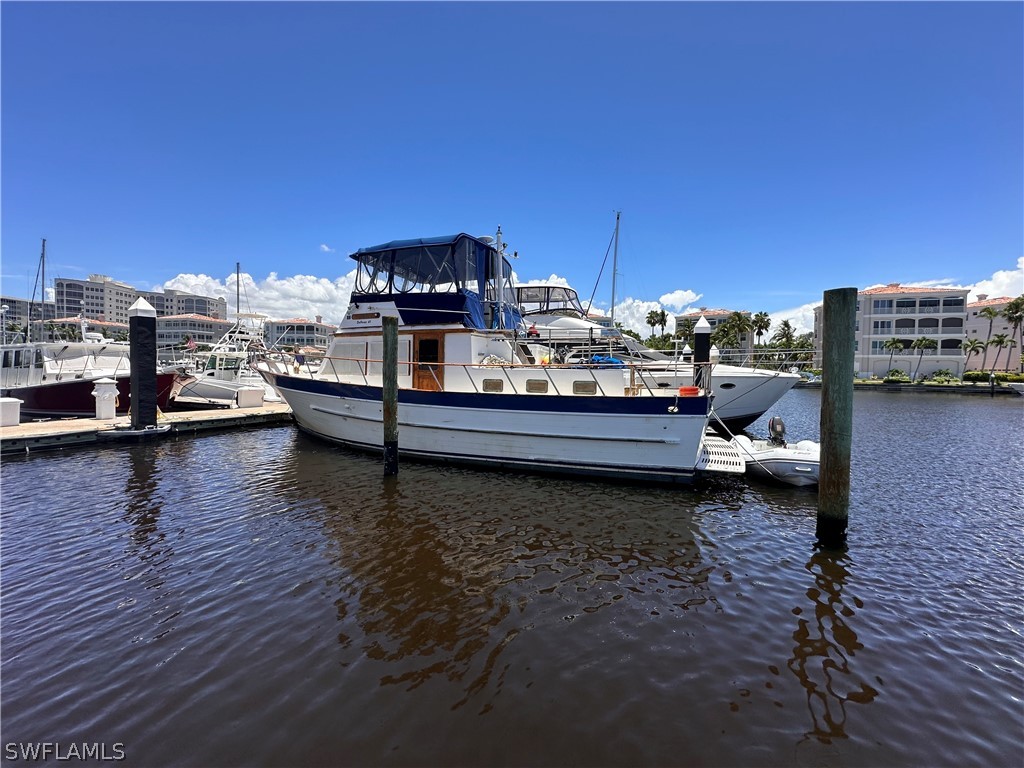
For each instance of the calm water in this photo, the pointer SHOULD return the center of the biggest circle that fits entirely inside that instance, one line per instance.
(260, 598)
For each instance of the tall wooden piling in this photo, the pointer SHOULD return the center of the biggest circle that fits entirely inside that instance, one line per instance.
(142, 354)
(839, 319)
(389, 395)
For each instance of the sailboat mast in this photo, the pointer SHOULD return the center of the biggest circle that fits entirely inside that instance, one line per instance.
(42, 303)
(238, 288)
(615, 264)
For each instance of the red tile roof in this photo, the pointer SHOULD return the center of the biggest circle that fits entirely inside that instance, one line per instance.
(711, 313)
(991, 302)
(897, 288)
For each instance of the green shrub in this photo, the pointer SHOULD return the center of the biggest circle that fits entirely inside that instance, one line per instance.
(944, 376)
(982, 377)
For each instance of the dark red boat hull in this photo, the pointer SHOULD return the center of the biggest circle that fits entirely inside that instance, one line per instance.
(74, 397)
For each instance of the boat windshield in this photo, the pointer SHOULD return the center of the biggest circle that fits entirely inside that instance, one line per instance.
(549, 300)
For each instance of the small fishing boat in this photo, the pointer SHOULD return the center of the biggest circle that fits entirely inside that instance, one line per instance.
(229, 366)
(775, 459)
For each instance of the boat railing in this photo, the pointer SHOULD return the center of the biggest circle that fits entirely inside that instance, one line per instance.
(621, 379)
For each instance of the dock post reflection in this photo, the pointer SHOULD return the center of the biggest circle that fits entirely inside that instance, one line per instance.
(824, 648)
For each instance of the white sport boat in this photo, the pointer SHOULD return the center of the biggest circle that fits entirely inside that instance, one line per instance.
(56, 379)
(775, 459)
(229, 366)
(472, 390)
(554, 316)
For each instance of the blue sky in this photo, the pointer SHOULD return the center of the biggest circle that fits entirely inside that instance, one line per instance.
(760, 153)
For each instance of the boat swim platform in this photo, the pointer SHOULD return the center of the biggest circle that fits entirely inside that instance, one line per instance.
(51, 434)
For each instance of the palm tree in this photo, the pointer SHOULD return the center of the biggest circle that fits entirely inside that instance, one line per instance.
(1009, 358)
(1002, 341)
(785, 336)
(761, 323)
(652, 319)
(892, 346)
(684, 330)
(921, 344)
(991, 313)
(1014, 312)
(662, 320)
(723, 337)
(784, 339)
(971, 347)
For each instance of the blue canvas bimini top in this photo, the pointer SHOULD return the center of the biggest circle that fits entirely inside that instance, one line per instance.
(445, 267)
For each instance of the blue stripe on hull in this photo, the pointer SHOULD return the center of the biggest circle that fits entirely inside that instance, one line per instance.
(582, 404)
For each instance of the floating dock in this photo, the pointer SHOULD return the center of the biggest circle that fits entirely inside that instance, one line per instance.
(62, 433)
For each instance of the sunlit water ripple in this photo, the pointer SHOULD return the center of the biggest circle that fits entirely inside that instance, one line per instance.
(260, 597)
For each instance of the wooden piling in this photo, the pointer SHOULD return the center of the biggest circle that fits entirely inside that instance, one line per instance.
(839, 319)
(389, 395)
(142, 354)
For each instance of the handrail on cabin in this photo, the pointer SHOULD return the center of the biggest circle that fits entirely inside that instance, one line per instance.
(363, 363)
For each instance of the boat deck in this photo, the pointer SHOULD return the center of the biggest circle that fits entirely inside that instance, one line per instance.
(61, 433)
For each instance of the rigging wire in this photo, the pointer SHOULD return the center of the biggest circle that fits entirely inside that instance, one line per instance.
(604, 263)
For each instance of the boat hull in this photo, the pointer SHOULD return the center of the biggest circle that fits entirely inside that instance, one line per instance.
(788, 471)
(619, 438)
(793, 465)
(741, 395)
(73, 397)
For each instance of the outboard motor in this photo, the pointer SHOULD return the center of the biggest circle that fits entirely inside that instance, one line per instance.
(777, 431)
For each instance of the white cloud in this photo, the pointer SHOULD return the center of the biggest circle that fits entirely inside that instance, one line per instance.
(326, 248)
(801, 318)
(632, 313)
(677, 300)
(279, 298)
(1005, 282)
(553, 280)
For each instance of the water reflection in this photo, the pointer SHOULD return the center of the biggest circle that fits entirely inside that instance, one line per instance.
(442, 570)
(142, 502)
(824, 648)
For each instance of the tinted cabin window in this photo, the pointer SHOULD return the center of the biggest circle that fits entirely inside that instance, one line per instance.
(429, 351)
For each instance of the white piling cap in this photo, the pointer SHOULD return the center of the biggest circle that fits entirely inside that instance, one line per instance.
(702, 326)
(141, 308)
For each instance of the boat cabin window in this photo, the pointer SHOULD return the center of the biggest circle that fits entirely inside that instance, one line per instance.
(494, 385)
(537, 386)
(584, 387)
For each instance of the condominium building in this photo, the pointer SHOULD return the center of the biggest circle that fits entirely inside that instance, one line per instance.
(981, 328)
(175, 330)
(16, 312)
(103, 298)
(906, 313)
(298, 332)
(170, 302)
(715, 318)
